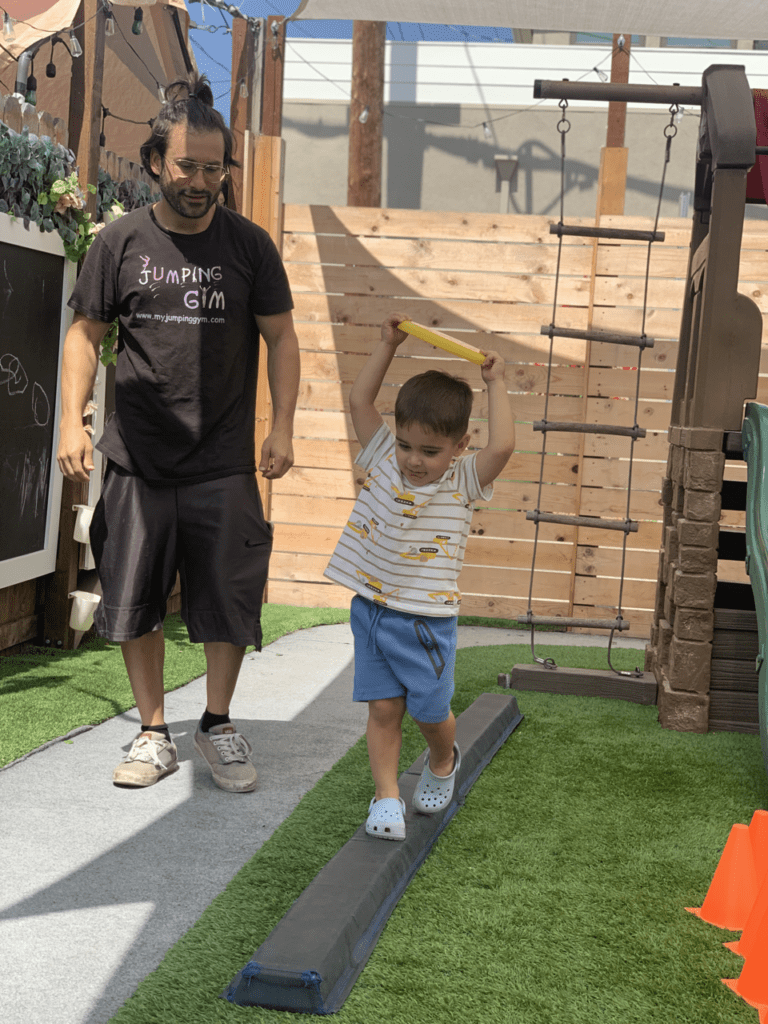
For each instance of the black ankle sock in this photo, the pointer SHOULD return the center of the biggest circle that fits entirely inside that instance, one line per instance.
(209, 720)
(158, 728)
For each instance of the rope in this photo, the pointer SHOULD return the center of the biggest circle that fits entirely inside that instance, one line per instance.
(563, 128)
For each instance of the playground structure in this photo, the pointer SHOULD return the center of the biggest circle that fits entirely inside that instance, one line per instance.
(717, 371)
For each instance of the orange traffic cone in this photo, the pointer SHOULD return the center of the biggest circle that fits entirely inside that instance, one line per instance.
(733, 890)
(754, 923)
(752, 983)
(758, 834)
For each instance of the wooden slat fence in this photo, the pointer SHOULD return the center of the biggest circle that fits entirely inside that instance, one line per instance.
(490, 280)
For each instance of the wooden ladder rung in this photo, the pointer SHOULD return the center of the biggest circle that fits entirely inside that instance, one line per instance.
(589, 428)
(618, 233)
(625, 525)
(564, 620)
(638, 340)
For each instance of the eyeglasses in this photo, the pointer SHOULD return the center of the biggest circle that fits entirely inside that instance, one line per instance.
(212, 173)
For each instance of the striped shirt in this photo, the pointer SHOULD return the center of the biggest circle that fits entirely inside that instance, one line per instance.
(404, 545)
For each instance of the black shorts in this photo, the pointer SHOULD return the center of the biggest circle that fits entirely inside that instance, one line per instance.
(213, 533)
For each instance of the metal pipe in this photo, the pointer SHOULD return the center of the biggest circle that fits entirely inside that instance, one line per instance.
(603, 92)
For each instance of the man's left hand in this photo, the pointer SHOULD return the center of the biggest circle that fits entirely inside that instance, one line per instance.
(276, 455)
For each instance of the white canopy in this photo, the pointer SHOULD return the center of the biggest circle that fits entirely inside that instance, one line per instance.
(696, 19)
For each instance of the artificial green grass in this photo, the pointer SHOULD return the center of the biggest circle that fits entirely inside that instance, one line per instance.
(47, 693)
(555, 895)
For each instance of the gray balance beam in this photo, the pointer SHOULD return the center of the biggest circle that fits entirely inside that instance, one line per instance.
(313, 957)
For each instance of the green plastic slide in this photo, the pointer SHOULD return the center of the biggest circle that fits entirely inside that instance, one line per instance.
(755, 444)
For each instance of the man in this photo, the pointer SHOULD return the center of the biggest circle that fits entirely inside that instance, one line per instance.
(194, 285)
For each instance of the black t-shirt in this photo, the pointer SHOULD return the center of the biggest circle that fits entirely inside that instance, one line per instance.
(188, 347)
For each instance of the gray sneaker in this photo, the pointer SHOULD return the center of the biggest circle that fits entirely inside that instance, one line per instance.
(227, 754)
(150, 758)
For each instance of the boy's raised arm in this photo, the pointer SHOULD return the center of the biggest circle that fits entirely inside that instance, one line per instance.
(365, 417)
(501, 422)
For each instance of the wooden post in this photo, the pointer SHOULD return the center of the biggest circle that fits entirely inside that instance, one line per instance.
(84, 128)
(272, 89)
(241, 107)
(611, 193)
(617, 112)
(85, 94)
(367, 102)
(264, 204)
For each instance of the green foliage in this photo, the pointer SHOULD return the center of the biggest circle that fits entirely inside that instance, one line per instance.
(39, 184)
(37, 173)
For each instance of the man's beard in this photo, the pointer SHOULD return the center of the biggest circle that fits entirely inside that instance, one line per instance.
(172, 195)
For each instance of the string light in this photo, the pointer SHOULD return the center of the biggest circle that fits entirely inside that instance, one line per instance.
(76, 50)
(486, 130)
(243, 89)
(8, 33)
(109, 26)
(31, 95)
(364, 115)
(50, 67)
(601, 74)
(138, 22)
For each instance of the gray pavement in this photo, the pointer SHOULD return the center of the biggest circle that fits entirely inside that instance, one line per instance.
(97, 883)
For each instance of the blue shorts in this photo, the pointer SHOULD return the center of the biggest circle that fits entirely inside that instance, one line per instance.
(403, 655)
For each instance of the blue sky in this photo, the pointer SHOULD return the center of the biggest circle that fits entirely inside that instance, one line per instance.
(213, 44)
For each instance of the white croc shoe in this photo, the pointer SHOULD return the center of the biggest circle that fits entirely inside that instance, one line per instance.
(386, 818)
(433, 792)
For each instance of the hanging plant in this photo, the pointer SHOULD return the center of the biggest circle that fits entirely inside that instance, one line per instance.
(39, 185)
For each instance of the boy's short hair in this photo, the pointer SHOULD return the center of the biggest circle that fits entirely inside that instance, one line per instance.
(435, 400)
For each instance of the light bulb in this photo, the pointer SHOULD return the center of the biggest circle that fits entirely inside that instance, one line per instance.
(243, 89)
(601, 74)
(486, 130)
(50, 70)
(364, 115)
(161, 93)
(679, 114)
(621, 42)
(31, 96)
(109, 26)
(8, 32)
(138, 22)
(77, 50)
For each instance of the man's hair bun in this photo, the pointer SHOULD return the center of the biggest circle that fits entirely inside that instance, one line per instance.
(195, 87)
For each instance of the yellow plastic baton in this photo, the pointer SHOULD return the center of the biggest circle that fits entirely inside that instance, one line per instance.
(444, 341)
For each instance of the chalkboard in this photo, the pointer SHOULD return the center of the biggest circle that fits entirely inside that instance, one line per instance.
(36, 280)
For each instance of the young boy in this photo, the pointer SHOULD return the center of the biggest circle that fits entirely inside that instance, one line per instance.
(402, 552)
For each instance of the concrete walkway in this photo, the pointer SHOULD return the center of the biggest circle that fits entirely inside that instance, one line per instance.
(97, 883)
